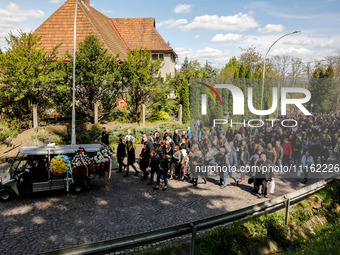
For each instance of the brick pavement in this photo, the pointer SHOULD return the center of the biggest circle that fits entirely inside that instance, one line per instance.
(116, 208)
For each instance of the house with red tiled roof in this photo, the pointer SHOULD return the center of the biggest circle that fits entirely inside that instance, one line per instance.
(118, 35)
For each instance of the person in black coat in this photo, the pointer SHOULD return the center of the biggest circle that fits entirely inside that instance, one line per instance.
(158, 132)
(219, 160)
(314, 151)
(105, 136)
(177, 137)
(35, 172)
(160, 148)
(154, 163)
(184, 145)
(38, 170)
(296, 154)
(131, 159)
(324, 154)
(148, 142)
(264, 175)
(167, 133)
(157, 140)
(144, 158)
(168, 154)
(121, 153)
(163, 172)
(172, 143)
(254, 162)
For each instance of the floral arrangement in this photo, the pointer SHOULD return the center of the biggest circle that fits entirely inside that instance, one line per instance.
(59, 165)
(83, 166)
(99, 163)
(81, 163)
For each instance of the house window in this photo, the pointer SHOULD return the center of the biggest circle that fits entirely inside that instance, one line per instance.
(173, 58)
(158, 56)
(161, 56)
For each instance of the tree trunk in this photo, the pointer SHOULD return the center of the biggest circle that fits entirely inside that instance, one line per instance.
(35, 116)
(96, 106)
(180, 113)
(143, 112)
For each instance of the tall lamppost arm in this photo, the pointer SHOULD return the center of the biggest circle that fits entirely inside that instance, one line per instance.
(73, 139)
(264, 65)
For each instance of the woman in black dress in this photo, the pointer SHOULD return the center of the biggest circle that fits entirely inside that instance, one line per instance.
(168, 155)
(160, 148)
(144, 158)
(131, 159)
(154, 164)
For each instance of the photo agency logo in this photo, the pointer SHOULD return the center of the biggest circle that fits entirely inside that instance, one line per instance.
(238, 106)
(232, 128)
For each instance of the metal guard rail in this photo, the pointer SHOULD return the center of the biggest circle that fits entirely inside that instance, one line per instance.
(133, 241)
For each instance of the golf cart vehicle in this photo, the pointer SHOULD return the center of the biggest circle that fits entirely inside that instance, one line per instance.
(15, 181)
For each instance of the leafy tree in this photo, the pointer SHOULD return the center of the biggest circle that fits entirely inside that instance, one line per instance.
(185, 64)
(192, 69)
(252, 58)
(141, 75)
(163, 102)
(97, 77)
(30, 75)
(280, 66)
(183, 98)
(297, 69)
(209, 71)
(334, 61)
(323, 89)
(230, 68)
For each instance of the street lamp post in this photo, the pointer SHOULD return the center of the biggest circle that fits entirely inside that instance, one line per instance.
(264, 65)
(73, 139)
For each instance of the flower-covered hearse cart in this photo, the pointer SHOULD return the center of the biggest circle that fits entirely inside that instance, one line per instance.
(61, 167)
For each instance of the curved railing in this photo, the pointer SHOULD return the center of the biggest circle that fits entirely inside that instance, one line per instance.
(192, 227)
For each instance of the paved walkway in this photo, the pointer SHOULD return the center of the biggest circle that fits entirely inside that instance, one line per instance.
(116, 208)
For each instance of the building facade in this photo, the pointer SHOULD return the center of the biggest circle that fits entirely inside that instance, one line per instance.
(118, 35)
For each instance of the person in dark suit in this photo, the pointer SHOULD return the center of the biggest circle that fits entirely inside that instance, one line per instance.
(162, 172)
(105, 136)
(254, 162)
(38, 170)
(177, 137)
(121, 153)
(157, 140)
(146, 140)
(264, 175)
(168, 155)
(158, 132)
(144, 158)
(171, 142)
(154, 163)
(167, 133)
(131, 159)
(35, 172)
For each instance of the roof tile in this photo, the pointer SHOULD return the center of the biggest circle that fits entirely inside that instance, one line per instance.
(141, 33)
(117, 35)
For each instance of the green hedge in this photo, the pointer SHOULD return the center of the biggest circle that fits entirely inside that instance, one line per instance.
(9, 128)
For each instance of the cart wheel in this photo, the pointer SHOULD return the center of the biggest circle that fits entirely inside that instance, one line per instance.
(5, 195)
(77, 188)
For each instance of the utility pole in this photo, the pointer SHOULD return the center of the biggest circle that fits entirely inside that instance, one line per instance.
(73, 139)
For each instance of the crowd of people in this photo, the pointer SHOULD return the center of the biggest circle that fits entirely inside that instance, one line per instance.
(186, 154)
